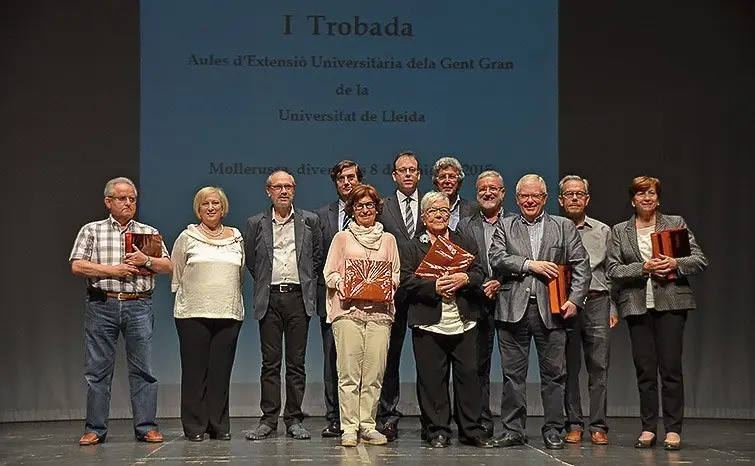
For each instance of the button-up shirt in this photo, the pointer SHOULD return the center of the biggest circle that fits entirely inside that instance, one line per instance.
(285, 267)
(535, 230)
(595, 237)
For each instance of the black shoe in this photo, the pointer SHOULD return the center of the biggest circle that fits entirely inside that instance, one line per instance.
(438, 441)
(507, 440)
(487, 431)
(390, 430)
(225, 436)
(553, 442)
(332, 430)
(195, 438)
(646, 443)
(479, 442)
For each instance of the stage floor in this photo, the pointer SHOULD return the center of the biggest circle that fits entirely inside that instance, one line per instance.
(711, 442)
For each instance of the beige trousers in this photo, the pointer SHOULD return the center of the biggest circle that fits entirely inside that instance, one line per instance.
(361, 349)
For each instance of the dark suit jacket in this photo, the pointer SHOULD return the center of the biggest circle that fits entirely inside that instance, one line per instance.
(561, 244)
(472, 227)
(625, 269)
(258, 244)
(392, 219)
(467, 208)
(329, 226)
(423, 301)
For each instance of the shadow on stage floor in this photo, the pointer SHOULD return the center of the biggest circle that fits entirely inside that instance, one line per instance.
(704, 441)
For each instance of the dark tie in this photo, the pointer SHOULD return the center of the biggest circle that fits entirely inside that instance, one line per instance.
(409, 217)
(346, 220)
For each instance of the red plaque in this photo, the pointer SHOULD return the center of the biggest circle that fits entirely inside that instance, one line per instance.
(368, 280)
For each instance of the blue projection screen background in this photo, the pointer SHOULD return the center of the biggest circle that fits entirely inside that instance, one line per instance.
(231, 90)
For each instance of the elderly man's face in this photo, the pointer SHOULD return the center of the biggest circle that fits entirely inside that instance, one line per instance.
(122, 202)
(281, 190)
(436, 217)
(574, 198)
(447, 181)
(346, 181)
(490, 193)
(531, 199)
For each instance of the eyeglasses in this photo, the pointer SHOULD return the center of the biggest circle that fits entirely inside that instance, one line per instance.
(404, 170)
(445, 211)
(124, 198)
(447, 176)
(281, 187)
(534, 197)
(492, 189)
(577, 194)
(364, 205)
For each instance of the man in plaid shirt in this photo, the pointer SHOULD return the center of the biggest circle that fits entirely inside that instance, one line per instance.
(119, 291)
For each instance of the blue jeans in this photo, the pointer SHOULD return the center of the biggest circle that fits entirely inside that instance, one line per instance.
(105, 320)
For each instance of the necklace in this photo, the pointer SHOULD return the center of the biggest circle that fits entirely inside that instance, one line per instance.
(209, 232)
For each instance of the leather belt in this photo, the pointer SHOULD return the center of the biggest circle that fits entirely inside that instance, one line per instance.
(596, 294)
(285, 288)
(128, 296)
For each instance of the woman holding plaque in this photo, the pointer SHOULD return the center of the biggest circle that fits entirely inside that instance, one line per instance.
(654, 297)
(361, 276)
(444, 305)
(208, 270)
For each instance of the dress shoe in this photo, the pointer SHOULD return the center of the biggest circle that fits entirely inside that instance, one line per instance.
(508, 440)
(153, 436)
(332, 430)
(298, 432)
(599, 438)
(479, 442)
(261, 432)
(646, 443)
(487, 431)
(553, 441)
(438, 441)
(390, 430)
(90, 438)
(195, 438)
(225, 436)
(672, 441)
(574, 436)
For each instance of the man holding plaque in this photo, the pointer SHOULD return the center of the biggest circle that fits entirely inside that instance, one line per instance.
(590, 331)
(400, 218)
(333, 218)
(283, 254)
(361, 274)
(531, 247)
(119, 288)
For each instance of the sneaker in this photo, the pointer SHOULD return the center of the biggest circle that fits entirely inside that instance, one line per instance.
(373, 437)
(349, 439)
(261, 432)
(298, 432)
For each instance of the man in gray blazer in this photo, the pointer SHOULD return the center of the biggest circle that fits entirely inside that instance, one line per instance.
(283, 254)
(448, 175)
(480, 226)
(333, 218)
(530, 247)
(401, 218)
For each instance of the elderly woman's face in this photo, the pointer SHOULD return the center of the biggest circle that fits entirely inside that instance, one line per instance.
(365, 211)
(645, 201)
(211, 210)
(436, 217)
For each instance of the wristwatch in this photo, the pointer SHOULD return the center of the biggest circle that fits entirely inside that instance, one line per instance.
(148, 264)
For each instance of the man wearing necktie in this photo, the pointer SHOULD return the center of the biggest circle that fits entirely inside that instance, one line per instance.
(333, 218)
(401, 218)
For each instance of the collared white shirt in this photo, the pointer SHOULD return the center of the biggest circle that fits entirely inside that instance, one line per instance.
(402, 204)
(285, 266)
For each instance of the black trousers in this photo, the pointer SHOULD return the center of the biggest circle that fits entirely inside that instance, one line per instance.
(590, 332)
(329, 372)
(657, 339)
(435, 356)
(208, 348)
(390, 392)
(514, 343)
(485, 342)
(285, 316)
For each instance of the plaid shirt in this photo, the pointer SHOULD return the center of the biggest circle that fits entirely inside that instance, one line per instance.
(103, 242)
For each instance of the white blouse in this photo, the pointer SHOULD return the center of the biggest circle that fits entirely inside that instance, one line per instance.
(645, 245)
(208, 275)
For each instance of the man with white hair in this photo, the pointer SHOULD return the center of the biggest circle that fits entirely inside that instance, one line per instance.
(448, 175)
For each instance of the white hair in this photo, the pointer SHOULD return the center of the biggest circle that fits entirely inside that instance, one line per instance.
(531, 177)
(110, 185)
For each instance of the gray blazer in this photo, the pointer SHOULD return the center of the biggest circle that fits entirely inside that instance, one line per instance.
(329, 226)
(561, 244)
(625, 269)
(258, 244)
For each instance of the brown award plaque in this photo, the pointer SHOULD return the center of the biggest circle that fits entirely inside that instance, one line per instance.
(672, 243)
(148, 243)
(368, 280)
(558, 289)
(443, 258)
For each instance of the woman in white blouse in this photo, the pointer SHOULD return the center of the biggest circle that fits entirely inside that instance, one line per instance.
(208, 270)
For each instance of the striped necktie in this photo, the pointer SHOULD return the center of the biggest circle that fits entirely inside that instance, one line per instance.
(409, 216)
(346, 221)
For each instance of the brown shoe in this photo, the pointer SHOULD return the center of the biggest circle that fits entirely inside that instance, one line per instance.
(672, 441)
(574, 436)
(599, 438)
(90, 438)
(153, 436)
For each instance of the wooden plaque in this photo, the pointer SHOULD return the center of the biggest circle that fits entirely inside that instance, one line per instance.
(368, 280)
(672, 243)
(558, 289)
